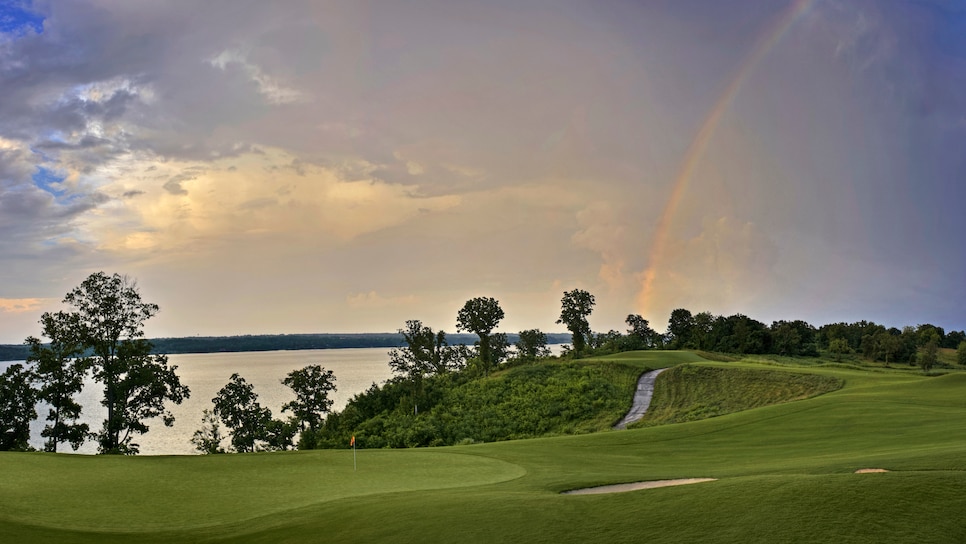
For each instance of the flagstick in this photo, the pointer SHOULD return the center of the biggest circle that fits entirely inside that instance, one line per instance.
(353, 456)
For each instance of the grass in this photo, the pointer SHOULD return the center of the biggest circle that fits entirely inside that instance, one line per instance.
(948, 357)
(165, 490)
(693, 392)
(785, 475)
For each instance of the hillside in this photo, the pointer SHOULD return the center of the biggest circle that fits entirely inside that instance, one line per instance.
(549, 397)
(693, 392)
(785, 474)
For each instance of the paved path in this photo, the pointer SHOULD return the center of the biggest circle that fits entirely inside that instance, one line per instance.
(642, 398)
(634, 486)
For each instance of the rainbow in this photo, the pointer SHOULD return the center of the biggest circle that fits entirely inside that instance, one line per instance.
(700, 143)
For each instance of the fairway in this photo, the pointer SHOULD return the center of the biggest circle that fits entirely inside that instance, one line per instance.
(121, 494)
(785, 473)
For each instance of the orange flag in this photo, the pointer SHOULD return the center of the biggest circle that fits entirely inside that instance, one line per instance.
(353, 441)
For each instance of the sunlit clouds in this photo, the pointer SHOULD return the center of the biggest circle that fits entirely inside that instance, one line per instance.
(265, 194)
(330, 166)
(273, 90)
(21, 305)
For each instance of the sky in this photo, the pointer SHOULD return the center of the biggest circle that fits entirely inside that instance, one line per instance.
(343, 166)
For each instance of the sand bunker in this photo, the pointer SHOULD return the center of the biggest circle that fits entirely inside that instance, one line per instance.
(870, 470)
(634, 486)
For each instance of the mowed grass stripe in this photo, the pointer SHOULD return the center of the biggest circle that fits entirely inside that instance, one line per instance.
(157, 493)
(850, 508)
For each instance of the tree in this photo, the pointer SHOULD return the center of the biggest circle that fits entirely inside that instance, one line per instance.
(532, 345)
(929, 354)
(499, 347)
(312, 386)
(961, 353)
(610, 342)
(146, 384)
(953, 339)
(702, 336)
(575, 306)
(136, 383)
(839, 347)
(927, 332)
(17, 401)
(906, 341)
(444, 357)
(60, 370)
(640, 330)
(247, 420)
(480, 316)
(279, 433)
(208, 438)
(787, 340)
(679, 328)
(415, 360)
(888, 346)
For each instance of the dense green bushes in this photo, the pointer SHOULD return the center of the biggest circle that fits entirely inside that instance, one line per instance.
(522, 402)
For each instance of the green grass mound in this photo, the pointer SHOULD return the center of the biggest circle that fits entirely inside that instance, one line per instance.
(785, 474)
(546, 398)
(693, 392)
(44, 493)
(538, 400)
(522, 402)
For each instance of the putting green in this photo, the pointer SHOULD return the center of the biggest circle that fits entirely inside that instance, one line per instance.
(142, 494)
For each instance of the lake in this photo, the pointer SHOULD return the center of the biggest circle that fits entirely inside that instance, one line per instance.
(205, 373)
(356, 369)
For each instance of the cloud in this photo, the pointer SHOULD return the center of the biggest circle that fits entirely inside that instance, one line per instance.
(464, 170)
(721, 269)
(278, 156)
(413, 168)
(269, 87)
(375, 300)
(602, 231)
(16, 162)
(260, 198)
(173, 185)
(21, 305)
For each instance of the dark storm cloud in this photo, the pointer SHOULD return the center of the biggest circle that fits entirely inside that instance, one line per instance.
(85, 142)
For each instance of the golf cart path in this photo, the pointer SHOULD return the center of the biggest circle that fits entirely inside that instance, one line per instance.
(642, 398)
(634, 486)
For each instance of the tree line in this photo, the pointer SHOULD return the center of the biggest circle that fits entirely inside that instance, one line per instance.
(741, 334)
(274, 342)
(409, 409)
(251, 426)
(429, 372)
(102, 336)
(425, 357)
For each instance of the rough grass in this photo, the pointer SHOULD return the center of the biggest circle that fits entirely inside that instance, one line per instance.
(947, 357)
(649, 360)
(692, 392)
(785, 475)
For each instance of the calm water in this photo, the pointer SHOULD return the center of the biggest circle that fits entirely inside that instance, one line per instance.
(205, 373)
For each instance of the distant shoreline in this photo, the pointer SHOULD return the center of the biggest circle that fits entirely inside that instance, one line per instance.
(280, 342)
